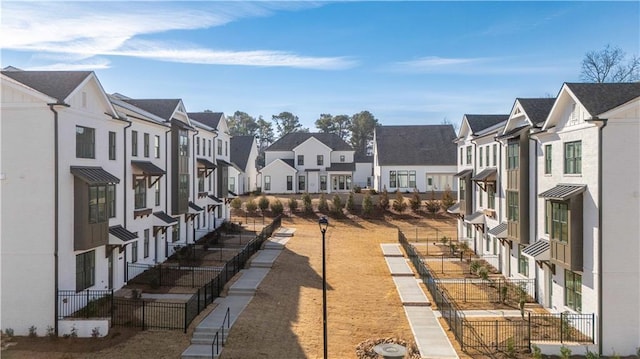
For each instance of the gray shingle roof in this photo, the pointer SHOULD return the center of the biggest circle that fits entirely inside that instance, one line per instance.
(240, 150)
(424, 145)
(57, 84)
(360, 158)
(342, 167)
(211, 119)
(598, 98)
(291, 140)
(163, 108)
(480, 122)
(537, 109)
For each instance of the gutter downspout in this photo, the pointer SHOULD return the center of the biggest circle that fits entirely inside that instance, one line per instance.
(600, 211)
(193, 191)
(535, 210)
(166, 189)
(56, 211)
(124, 182)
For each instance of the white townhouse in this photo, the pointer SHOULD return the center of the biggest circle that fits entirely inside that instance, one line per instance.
(363, 175)
(588, 208)
(408, 157)
(480, 198)
(60, 196)
(243, 176)
(308, 162)
(221, 144)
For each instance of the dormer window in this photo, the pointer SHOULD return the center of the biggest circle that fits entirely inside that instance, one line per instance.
(341, 158)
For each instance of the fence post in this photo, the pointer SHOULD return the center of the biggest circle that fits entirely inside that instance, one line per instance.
(496, 335)
(561, 328)
(86, 304)
(198, 300)
(500, 291)
(143, 321)
(529, 324)
(185, 316)
(593, 328)
(465, 289)
(112, 308)
(193, 279)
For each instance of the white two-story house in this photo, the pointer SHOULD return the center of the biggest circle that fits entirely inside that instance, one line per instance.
(308, 162)
(243, 176)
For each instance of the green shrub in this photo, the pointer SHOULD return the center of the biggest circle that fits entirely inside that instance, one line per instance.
(591, 355)
(398, 203)
(447, 199)
(51, 332)
(357, 189)
(511, 348)
(536, 352)
(293, 204)
(384, 199)
(307, 205)
(367, 205)
(351, 205)
(474, 266)
(33, 331)
(322, 204)
(337, 204)
(565, 353)
(263, 203)
(483, 272)
(251, 206)
(416, 201)
(236, 203)
(277, 207)
(9, 332)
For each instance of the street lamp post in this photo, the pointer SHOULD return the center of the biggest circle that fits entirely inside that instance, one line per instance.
(323, 223)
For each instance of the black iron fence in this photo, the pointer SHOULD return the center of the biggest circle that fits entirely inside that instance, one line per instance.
(150, 314)
(506, 335)
(172, 276)
(499, 290)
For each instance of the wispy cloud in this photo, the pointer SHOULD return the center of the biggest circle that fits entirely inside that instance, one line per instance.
(476, 66)
(95, 63)
(81, 31)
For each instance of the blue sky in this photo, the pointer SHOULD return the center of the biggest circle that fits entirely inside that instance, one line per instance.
(406, 62)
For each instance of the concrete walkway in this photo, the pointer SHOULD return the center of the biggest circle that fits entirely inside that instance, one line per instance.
(429, 335)
(398, 266)
(237, 299)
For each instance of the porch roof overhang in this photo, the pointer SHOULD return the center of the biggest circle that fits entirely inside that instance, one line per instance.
(477, 219)
(162, 219)
(455, 209)
(149, 170)
(231, 194)
(486, 176)
(499, 231)
(194, 208)
(224, 163)
(464, 173)
(515, 132)
(342, 167)
(93, 175)
(214, 200)
(207, 167)
(540, 251)
(118, 235)
(563, 192)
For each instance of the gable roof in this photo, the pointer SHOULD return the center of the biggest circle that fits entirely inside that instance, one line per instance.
(211, 119)
(480, 122)
(163, 108)
(598, 98)
(424, 145)
(241, 147)
(57, 84)
(537, 109)
(291, 140)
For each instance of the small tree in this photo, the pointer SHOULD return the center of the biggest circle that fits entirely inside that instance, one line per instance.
(322, 204)
(351, 205)
(263, 203)
(433, 205)
(277, 207)
(416, 201)
(398, 203)
(236, 203)
(293, 204)
(384, 199)
(337, 204)
(447, 198)
(367, 205)
(307, 206)
(251, 206)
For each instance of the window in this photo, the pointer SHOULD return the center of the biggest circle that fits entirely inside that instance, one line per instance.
(219, 147)
(289, 183)
(232, 184)
(341, 158)
(140, 196)
(573, 157)
(111, 200)
(469, 231)
(491, 196)
(97, 204)
(267, 183)
(461, 158)
(197, 145)
(468, 155)
(523, 262)
(323, 183)
(547, 159)
(226, 148)
(302, 181)
(85, 270)
(157, 193)
(513, 151)
(112, 145)
(156, 146)
(201, 182)
(429, 181)
(495, 155)
(146, 144)
(412, 179)
(480, 157)
(300, 160)
(341, 182)
(403, 179)
(512, 206)
(392, 179)
(560, 221)
(488, 151)
(320, 160)
(209, 148)
(134, 251)
(462, 189)
(480, 201)
(175, 233)
(573, 290)
(145, 246)
(487, 245)
(85, 142)
(134, 143)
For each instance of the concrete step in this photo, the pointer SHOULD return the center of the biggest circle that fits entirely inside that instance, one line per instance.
(265, 258)
(391, 250)
(398, 266)
(276, 242)
(199, 351)
(242, 292)
(411, 294)
(284, 232)
(201, 339)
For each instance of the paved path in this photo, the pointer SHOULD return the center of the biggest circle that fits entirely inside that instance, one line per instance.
(430, 337)
(237, 299)
(398, 266)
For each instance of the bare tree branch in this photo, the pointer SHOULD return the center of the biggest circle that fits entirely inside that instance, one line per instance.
(608, 65)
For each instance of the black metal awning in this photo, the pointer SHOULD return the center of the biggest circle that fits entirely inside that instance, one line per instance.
(206, 163)
(164, 219)
(93, 175)
(562, 192)
(215, 199)
(195, 207)
(475, 218)
(231, 194)
(464, 173)
(499, 231)
(223, 163)
(514, 132)
(488, 174)
(148, 168)
(119, 235)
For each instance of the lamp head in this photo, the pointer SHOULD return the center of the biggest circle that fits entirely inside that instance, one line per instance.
(323, 223)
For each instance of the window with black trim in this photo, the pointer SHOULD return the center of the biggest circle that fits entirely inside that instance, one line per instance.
(145, 245)
(134, 143)
(97, 204)
(112, 145)
(134, 251)
(573, 157)
(85, 142)
(480, 157)
(573, 290)
(547, 159)
(140, 196)
(302, 183)
(175, 232)
(412, 179)
(146, 144)
(323, 183)
(111, 200)
(85, 270)
(289, 183)
(320, 160)
(267, 183)
(392, 179)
